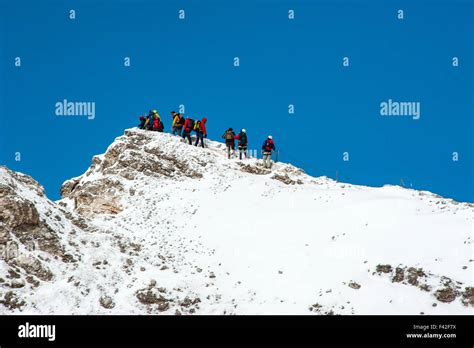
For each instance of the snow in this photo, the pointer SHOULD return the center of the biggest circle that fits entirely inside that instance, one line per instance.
(273, 248)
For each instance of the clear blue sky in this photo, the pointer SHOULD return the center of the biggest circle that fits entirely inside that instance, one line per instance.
(283, 62)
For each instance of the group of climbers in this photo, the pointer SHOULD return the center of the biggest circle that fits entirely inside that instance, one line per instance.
(230, 137)
(268, 145)
(152, 122)
(183, 127)
(180, 126)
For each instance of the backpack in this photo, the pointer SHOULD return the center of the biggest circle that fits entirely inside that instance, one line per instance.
(176, 120)
(181, 120)
(191, 124)
(243, 139)
(197, 126)
(268, 145)
(229, 135)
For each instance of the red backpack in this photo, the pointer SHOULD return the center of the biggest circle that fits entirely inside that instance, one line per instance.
(269, 145)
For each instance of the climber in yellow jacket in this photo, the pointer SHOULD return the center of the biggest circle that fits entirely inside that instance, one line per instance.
(178, 122)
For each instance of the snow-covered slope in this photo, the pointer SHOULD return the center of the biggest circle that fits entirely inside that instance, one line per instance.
(158, 226)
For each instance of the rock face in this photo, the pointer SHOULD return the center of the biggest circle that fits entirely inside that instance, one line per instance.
(98, 197)
(30, 232)
(16, 212)
(19, 217)
(21, 221)
(68, 186)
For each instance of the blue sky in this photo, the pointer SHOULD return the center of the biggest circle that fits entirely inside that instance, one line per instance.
(282, 62)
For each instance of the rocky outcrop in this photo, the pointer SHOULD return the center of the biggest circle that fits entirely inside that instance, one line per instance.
(286, 179)
(446, 291)
(133, 154)
(20, 221)
(16, 212)
(68, 186)
(253, 169)
(129, 157)
(27, 236)
(98, 197)
(468, 296)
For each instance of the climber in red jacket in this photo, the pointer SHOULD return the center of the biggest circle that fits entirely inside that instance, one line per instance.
(267, 148)
(187, 129)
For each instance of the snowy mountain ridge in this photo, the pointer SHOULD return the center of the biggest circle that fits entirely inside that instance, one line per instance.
(158, 226)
